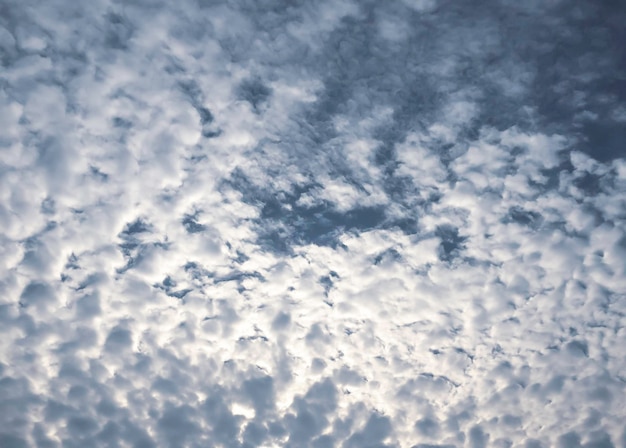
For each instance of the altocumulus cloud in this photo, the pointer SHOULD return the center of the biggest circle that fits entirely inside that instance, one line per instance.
(312, 224)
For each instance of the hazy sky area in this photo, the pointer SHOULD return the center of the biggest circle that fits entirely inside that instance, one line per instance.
(313, 223)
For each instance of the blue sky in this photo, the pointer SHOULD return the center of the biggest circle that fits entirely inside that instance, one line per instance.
(312, 224)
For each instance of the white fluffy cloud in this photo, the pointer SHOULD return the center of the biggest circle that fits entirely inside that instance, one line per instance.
(343, 224)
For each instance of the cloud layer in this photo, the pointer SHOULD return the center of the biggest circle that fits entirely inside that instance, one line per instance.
(336, 223)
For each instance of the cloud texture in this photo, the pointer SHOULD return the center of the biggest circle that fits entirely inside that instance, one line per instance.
(312, 224)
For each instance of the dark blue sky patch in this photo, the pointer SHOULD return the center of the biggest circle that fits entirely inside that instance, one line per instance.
(583, 72)
(196, 271)
(194, 94)
(191, 224)
(390, 254)
(604, 140)
(122, 123)
(206, 117)
(135, 228)
(274, 240)
(98, 174)
(254, 91)
(589, 183)
(284, 222)
(524, 217)
(323, 225)
(328, 281)
(179, 294)
(385, 156)
(133, 246)
(407, 225)
(451, 242)
(48, 206)
(237, 276)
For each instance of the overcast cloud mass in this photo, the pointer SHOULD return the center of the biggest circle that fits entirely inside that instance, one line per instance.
(333, 223)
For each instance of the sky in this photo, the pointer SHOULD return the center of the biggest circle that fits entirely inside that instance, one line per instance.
(333, 223)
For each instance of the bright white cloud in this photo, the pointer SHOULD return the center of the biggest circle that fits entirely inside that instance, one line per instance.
(319, 225)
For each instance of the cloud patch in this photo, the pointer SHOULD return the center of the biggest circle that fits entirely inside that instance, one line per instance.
(333, 224)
